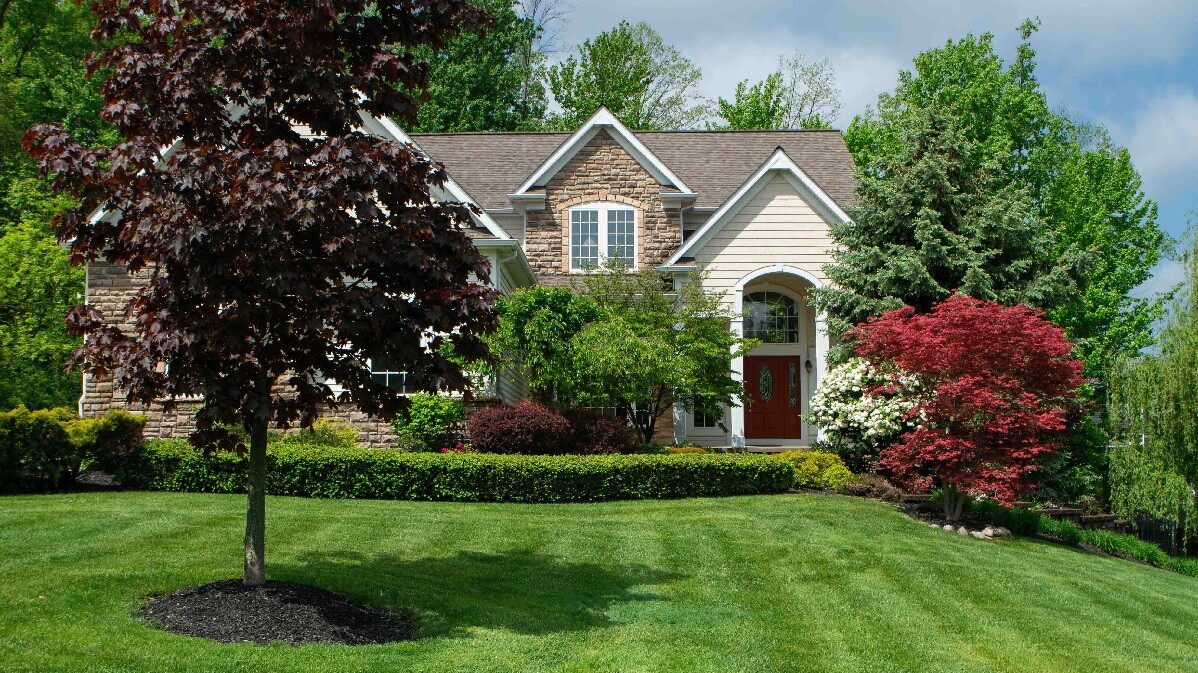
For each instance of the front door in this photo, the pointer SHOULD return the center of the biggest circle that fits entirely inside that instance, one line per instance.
(772, 385)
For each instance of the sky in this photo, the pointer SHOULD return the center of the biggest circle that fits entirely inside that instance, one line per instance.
(1130, 66)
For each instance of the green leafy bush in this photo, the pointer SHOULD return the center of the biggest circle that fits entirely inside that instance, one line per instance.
(431, 420)
(686, 449)
(328, 472)
(1018, 520)
(107, 440)
(325, 432)
(36, 452)
(816, 469)
(1065, 530)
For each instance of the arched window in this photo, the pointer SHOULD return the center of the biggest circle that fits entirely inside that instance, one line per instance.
(602, 231)
(771, 317)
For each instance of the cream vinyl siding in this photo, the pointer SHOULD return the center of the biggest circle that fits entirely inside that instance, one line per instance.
(776, 226)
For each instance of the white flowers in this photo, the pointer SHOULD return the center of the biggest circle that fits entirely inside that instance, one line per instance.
(860, 408)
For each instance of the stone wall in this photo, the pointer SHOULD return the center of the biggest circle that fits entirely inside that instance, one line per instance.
(109, 288)
(601, 171)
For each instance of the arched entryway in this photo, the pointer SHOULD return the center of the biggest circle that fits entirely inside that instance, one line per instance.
(774, 306)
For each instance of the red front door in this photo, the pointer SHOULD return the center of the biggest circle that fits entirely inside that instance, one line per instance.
(772, 384)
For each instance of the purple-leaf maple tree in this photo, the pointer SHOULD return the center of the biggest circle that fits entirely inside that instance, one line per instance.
(999, 384)
(284, 245)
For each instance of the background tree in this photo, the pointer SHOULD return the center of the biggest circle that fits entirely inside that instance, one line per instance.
(654, 348)
(488, 80)
(550, 18)
(761, 106)
(935, 219)
(37, 288)
(801, 94)
(1154, 410)
(1082, 185)
(645, 82)
(276, 261)
(998, 383)
(42, 79)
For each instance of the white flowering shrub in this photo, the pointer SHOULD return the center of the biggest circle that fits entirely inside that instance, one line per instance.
(862, 410)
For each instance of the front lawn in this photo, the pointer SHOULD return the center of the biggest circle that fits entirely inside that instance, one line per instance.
(766, 583)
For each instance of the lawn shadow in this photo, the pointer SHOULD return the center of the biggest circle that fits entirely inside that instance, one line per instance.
(521, 591)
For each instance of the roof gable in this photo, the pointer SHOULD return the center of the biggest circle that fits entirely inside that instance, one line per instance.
(602, 120)
(778, 164)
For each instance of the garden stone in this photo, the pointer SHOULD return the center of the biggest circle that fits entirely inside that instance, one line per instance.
(980, 535)
(962, 531)
(948, 528)
(1001, 532)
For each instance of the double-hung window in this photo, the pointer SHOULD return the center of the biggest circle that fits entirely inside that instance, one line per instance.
(600, 232)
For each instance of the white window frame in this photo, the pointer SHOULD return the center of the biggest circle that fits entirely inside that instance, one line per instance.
(603, 208)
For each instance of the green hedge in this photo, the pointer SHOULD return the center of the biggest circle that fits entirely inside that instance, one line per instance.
(329, 472)
(45, 449)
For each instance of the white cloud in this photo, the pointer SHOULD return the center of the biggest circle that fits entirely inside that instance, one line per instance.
(1163, 140)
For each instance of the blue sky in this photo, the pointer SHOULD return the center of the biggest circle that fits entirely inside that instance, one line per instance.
(1130, 66)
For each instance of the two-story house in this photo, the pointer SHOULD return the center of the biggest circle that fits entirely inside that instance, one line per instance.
(752, 208)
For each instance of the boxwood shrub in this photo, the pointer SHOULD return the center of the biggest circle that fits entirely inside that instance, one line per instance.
(330, 472)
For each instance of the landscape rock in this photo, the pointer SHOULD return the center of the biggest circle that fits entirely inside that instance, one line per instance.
(980, 535)
(948, 528)
(962, 531)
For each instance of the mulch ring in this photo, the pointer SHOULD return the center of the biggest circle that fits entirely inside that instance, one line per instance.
(230, 612)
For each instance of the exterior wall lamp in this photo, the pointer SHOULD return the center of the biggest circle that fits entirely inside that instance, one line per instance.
(807, 365)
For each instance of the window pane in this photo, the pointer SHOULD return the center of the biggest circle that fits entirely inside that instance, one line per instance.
(771, 317)
(584, 238)
(621, 236)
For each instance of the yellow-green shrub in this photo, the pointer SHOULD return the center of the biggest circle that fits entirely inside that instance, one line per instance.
(816, 469)
(686, 449)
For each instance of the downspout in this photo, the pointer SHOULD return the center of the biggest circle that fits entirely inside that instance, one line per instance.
(86, 285)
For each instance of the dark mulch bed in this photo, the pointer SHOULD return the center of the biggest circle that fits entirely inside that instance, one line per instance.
(297, 614)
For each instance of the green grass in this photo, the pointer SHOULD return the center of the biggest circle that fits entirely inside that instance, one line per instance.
(770, 583)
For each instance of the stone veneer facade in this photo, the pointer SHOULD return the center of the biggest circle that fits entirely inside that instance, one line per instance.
(109, 287)
(600, 171)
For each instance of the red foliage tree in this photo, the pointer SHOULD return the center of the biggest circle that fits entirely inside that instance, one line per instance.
(278, 259)
(1000, 382)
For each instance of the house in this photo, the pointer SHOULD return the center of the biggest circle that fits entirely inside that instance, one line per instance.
(752, 208)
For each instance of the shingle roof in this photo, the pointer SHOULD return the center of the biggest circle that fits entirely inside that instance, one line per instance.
(490, 166)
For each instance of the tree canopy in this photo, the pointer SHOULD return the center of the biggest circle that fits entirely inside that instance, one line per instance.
(934, 220)
(277, 262)
(1078, 182)
(486, 80)
(645, 82)
(800, 94)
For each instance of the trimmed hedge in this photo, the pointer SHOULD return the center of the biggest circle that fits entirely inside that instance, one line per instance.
(328, 472)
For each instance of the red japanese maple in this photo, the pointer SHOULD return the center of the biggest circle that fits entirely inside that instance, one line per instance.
(1000, 381)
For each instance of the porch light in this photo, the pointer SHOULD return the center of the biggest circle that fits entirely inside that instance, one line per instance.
(807, 365)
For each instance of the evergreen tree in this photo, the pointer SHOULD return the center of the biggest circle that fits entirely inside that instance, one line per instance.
(931, 223)
(1080, 183)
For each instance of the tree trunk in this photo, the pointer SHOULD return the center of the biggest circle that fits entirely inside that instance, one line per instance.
(255, 512)
(954, 503)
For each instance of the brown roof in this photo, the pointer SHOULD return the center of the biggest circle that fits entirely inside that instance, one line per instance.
(490, 166)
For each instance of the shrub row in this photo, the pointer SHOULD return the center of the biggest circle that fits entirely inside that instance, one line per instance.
(329, 472)
(46, 449)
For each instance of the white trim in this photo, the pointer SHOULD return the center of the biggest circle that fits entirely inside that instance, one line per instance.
(602, 119)
(514, 254)
(451, 186)
(779, 163)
